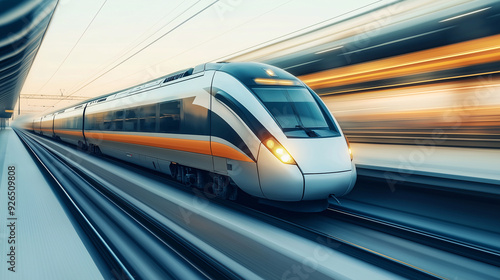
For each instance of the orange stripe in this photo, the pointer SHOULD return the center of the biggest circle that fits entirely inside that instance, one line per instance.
(462, 54)
(69, 132)
(187, 145)
(194, 146)
(221, 150)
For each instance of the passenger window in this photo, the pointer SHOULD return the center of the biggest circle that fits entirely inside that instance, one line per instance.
(170, 116)
(95, 122)
(79, 123)
(74, 123)
(99, 121)
(118, 121)
(131, 119)
(108, 121)
(89, 122)
(147, 118)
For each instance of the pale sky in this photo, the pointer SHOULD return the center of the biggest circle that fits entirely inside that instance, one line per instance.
(89, 47)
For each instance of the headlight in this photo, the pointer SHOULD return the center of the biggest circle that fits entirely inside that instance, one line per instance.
(348, 147)
(278, 151)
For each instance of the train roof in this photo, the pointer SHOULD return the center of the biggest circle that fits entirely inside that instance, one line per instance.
(246, 72)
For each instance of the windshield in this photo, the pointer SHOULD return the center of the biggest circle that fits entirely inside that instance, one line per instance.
(296, 112)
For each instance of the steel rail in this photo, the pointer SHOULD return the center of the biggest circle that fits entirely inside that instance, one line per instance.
(441, 242)
(141, 245)
(349, 248)
(111, 258)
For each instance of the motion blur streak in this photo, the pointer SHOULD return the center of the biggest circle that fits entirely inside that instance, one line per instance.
(447, 57)
(452, 113)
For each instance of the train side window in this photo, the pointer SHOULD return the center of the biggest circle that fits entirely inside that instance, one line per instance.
(108, 121)
(147, 118)
(98, 123)
(170, 116)
(131, 119)
(118, 120)
(66, 123)
(78, 122)
(89, 122)
(74, 123)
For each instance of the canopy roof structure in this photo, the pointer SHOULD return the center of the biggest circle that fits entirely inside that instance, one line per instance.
(23, 24)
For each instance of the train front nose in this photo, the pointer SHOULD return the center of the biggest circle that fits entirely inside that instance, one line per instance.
(325, 164)
(322, 167)
(320, 155)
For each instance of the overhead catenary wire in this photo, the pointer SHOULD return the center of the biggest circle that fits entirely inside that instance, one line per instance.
(148, 45)
(213, 38)
(74, 46)
(285, 36)
(263, 43)
(127, 49)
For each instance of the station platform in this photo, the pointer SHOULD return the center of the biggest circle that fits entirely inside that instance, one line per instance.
(38, 238)
(477, 165)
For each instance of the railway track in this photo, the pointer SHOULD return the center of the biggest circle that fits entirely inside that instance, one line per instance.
(52, 171)
(133, 244)
(466, 249)
(329, 227)
(298, 225)
(403, 269)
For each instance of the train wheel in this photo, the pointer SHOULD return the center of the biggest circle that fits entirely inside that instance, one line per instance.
(233, 192)
(220, 187)
(81, 146)
(97, 151)
(174, 171)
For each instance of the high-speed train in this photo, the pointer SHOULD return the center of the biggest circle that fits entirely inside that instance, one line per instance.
(220, 127)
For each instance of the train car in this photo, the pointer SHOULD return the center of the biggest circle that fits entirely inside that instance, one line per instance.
(47, 125)
(36, 125)
(68, 125)
(222, 127)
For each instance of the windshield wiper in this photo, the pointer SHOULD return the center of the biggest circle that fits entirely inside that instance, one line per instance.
(308, 131)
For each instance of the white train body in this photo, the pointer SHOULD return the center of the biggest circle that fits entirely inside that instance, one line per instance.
(253, 123)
